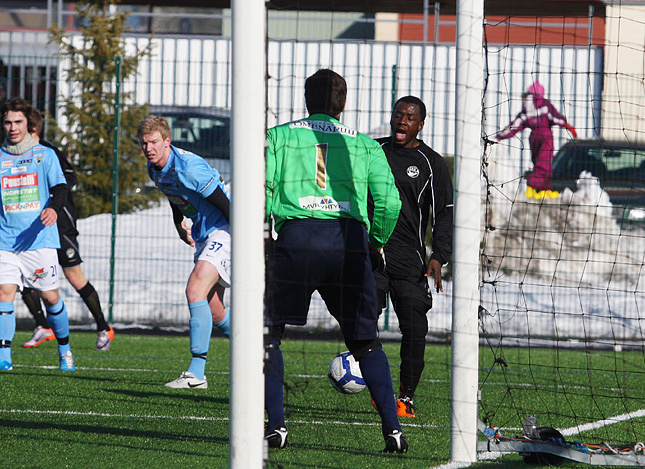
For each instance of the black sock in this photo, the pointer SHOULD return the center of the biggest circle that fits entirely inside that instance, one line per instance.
(91, 299)
(32, 299)
(406, 391)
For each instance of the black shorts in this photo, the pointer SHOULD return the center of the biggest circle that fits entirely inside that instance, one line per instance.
(69, 254)
(330, 256)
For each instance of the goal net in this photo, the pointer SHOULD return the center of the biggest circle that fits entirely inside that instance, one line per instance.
(563, 244)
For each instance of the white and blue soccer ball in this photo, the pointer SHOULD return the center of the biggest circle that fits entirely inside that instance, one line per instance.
(345, 374)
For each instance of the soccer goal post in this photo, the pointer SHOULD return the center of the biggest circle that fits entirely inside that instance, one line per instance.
(465, 337)
(247, 151)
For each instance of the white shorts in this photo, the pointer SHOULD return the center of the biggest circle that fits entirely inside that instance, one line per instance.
(216, 250)
(36, 269)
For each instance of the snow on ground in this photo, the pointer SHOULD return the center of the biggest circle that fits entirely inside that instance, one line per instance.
(556, 268)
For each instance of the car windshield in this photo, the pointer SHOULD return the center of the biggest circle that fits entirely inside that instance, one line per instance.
(621, 159)
(607, 163)
(208, 136)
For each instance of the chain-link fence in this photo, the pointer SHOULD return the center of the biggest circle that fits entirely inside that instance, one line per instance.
(133, 256)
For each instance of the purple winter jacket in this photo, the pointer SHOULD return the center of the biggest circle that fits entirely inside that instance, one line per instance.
(539, 115)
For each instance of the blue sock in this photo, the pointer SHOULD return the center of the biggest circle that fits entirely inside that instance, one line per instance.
(273, 385)
(376, 373)
(7, 330)
(224, 325)
(201, 327)
(63, 349)
(58, 320)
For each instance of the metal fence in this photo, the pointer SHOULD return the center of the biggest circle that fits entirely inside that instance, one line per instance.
(152, 265)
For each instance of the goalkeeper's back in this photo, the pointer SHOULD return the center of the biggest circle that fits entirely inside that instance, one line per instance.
(319, 168)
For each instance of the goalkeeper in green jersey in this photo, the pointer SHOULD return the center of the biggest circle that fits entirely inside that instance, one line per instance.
(318, 175)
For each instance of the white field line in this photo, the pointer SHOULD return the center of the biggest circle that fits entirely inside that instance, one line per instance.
(308, 376)
(193, 417)
(52, 367)
(603, 423)
(492, 455)
(101, 414)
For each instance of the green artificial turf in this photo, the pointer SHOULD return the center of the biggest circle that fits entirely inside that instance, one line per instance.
(115, 411)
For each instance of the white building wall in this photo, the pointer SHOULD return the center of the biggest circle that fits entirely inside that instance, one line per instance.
(623, 110)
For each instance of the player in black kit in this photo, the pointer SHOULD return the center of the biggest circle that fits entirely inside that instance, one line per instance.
(425, 188)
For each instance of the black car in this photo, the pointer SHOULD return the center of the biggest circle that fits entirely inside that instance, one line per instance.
(201, 130)
(618, 165)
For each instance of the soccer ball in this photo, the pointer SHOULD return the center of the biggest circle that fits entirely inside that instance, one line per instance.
(345, 374)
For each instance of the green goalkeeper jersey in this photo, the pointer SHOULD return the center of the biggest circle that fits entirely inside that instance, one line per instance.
(319, 168)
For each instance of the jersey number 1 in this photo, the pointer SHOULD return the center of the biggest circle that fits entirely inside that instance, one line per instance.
(321, 165)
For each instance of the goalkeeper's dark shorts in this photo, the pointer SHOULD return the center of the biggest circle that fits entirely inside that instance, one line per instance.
(330, 256)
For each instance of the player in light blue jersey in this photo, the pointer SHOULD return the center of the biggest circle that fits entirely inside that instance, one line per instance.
(196, 191)
(33, 191)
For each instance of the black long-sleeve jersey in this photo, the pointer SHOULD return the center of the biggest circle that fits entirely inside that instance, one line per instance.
(67, 217)
(425, 187)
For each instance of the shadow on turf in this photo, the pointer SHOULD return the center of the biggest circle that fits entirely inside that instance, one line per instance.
(173, 393)
(297, 389)
(384, 459)
(329, 413)
(63, 374)
(116, 431)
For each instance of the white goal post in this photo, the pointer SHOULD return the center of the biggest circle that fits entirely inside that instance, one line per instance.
(246, 415)
(468, 153)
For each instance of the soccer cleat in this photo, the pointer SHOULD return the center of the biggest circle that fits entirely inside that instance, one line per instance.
(5, 365)
(187, 380)
(40, 335)
(405, 407)
(277, 438)
(67, 362)
(104, 339)
(395, 442)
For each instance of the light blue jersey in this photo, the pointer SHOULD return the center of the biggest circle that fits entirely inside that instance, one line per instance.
(187, 180)
(26, 182)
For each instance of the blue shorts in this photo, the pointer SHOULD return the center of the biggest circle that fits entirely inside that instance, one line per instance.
(330, 256)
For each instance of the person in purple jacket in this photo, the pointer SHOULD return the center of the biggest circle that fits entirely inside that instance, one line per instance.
(539, 115)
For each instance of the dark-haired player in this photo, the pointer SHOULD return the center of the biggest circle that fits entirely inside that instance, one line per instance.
(69, 257)
(33, 194)
(318, 174)
(425, 187)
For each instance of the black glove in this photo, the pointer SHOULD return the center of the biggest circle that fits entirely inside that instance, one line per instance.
(377, 257)
(268, 240)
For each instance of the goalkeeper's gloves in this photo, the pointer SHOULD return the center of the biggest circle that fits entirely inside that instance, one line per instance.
(570, 128)
(377, 258)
